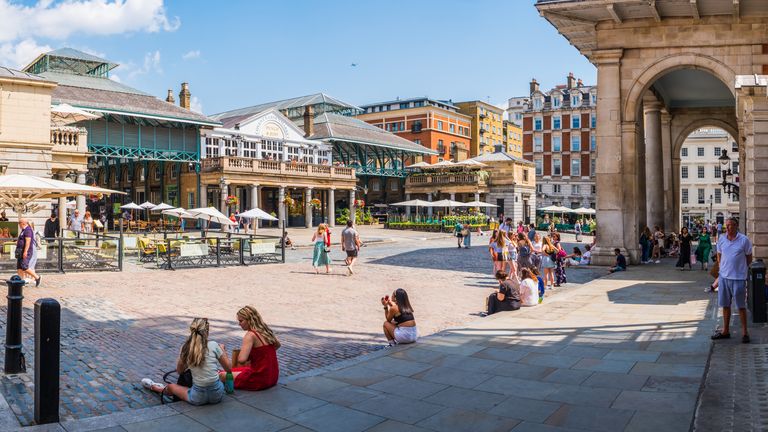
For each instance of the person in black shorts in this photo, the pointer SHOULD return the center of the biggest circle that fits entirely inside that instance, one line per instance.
(350, 243)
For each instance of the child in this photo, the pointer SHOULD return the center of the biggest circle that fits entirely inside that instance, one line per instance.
(536, 273)
(621, 261)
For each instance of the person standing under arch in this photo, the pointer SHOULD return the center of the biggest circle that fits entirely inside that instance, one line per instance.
(734, 253)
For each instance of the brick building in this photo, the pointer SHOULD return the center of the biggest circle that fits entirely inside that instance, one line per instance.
(513, 139)
(559, 137)
(487, 128)
(436, 125)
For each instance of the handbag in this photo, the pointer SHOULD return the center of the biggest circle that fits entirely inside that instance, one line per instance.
(18, 253)
(465, 232)
(185, 379)
(693, 258)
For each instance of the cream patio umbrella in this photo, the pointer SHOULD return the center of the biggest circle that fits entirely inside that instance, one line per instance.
(209, 214)
(23, 192)
(418, 165)
(256, 213)
(479, 204)
(64, 114)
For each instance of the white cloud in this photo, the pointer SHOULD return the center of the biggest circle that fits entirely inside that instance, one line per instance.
(18, 55)
(195, 105)
(89, 17)
(151, 64)
(194, 54)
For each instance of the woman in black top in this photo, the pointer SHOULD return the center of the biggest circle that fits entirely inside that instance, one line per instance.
(508, 297)
(399, 324)
(685, 249)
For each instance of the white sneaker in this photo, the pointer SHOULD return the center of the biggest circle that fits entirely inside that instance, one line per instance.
(658, 261)
(148, 384)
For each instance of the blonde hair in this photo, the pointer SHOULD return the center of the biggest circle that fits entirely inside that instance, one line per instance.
(321, 228)
(548, 246)
(250, 315)
(501, 239)
(196, 347)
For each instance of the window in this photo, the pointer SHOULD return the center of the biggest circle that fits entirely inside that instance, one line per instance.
(555, 101)
(594, 191)
(452, 128)
(593, 120)
(403, 105)
(735, 167)
(593, 142)
(575, 190)
(684, 196)
(539, 167)
(394, 185)
(718, 196)
(156, 172)
(174, 172)
(556, 167)
(700, 170)
(718, 171)
(537, 144)
(718, 151)
(556, 122)
(592, 167)
(537, 123)
(700, 151)
(575, 100)
(684, 152)
(575, 167)
(556, 188)
(575, 121)
(375, 186)
(525, 175)
(539, 188)
(439, 125)
(191, 200)
(701, 196)
(538, 103)
(440, 146)
(575, 143)
(684, 172)
(594, 98)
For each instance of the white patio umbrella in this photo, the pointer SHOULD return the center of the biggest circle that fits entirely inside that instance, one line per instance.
(256, 213)
(447, 203)
(584, 210)
(162, 206)
(479, 204)
(418, 165)
(131, 206)
(146, 205)
(444, 163)
(413, 203)
(177, 212)
(550, 209)
(23, 192)
(209, 214)
(64, 114)
(471, 163)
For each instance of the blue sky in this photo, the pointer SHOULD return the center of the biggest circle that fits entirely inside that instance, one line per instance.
(239, 53)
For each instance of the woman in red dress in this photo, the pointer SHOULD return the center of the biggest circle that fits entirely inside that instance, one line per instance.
(258, 353)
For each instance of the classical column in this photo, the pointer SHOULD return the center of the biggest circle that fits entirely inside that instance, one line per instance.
(81, 198)
(203, 195)
(407, 208)
(331, 206)
(281, 207)
(308, 207)
(352, 206)
(609, 176)
(666, 151)
(62, 206)
(654, 164)
(429, 209)
(254, 204)
(223, 201)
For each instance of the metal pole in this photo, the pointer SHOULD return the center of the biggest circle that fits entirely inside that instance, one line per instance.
(120, 253)
(756, 297)
(14, 358)
(218, 251)
(47, 348)
(61, 255)
(282, 242)
(168, 253)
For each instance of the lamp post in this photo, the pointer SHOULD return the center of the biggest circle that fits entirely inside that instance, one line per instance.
(711, 200)
(728, 187)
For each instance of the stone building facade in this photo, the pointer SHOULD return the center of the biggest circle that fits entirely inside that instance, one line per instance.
(512, 139)
(487, 127)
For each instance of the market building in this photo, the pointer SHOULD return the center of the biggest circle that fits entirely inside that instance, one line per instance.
(139, 144)
(436, 125)
(309, 149)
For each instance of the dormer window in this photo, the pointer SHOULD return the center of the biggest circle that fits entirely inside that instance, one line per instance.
(593, 97)
(556, 101)
(575, 99)
(538, 103)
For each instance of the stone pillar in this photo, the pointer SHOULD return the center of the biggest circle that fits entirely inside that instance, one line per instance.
(654, 164)
(407, 208)
(331, 206)
(610, 174)
(62, 206)
(453, 198)
(676, 210)
(255, 204)
(81, 198)
(352, 206)
(307, 208)
(223, 200)
(429, 209)
(203, 195)
(666, 150)
(281, 207)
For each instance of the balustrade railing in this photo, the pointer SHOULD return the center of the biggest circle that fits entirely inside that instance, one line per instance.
(69, 139)
(445, 179)
(259, 166)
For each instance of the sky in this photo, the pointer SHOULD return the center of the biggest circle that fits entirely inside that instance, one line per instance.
(238, 53)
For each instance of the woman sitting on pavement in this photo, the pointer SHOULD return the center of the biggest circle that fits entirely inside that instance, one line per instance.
(200, 356)
(574, 259)
(399, 324)
(258, 353)
(508, 296)
(529, 288)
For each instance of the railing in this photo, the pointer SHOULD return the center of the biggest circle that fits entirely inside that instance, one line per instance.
(88, 252)
(259, 166)
(69, 139)
(444, 179)
(233, 249)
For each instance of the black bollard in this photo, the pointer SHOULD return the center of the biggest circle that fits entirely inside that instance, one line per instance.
(47, 342)
(757, 292)
(14, 358)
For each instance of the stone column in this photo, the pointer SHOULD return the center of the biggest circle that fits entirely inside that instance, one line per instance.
(307, 208)
(255, 204)
(429, 209)
(62, 206)
(223, 201)
(666, 150)
(407, 208)
(352, 206)
(610, 175)
(281, 207)
(654, 164)
(453, 198)
(203, 195)
(331, 206)
(676, 209)
(81, 198)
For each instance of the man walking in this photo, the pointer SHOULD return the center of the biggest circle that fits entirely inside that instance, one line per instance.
(76, 222)
(350, 243)
(51, 229)
(734, 253)
(25, 249)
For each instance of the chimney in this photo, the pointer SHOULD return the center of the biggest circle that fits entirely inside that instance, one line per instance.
(534, 85)
(170, 98)
(184, 96)
(579, 83)
(309, 121)
(571, 81)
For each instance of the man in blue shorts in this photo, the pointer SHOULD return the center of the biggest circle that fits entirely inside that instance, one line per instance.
(734, 253)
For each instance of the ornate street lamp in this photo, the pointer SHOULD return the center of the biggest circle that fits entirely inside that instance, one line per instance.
(728, 187)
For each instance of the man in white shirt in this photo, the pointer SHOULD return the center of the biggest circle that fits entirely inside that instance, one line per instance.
(734, 253)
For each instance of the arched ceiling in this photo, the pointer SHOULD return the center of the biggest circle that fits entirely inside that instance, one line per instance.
(693, 88)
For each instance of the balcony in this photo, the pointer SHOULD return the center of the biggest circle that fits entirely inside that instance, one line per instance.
(483, 130)
(278, 168)
(72, 140)
(430, 180)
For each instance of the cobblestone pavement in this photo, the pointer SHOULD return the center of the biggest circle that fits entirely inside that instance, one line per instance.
(120, 327)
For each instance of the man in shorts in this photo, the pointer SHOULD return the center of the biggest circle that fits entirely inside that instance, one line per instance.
(734, 253)
(350, 243)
